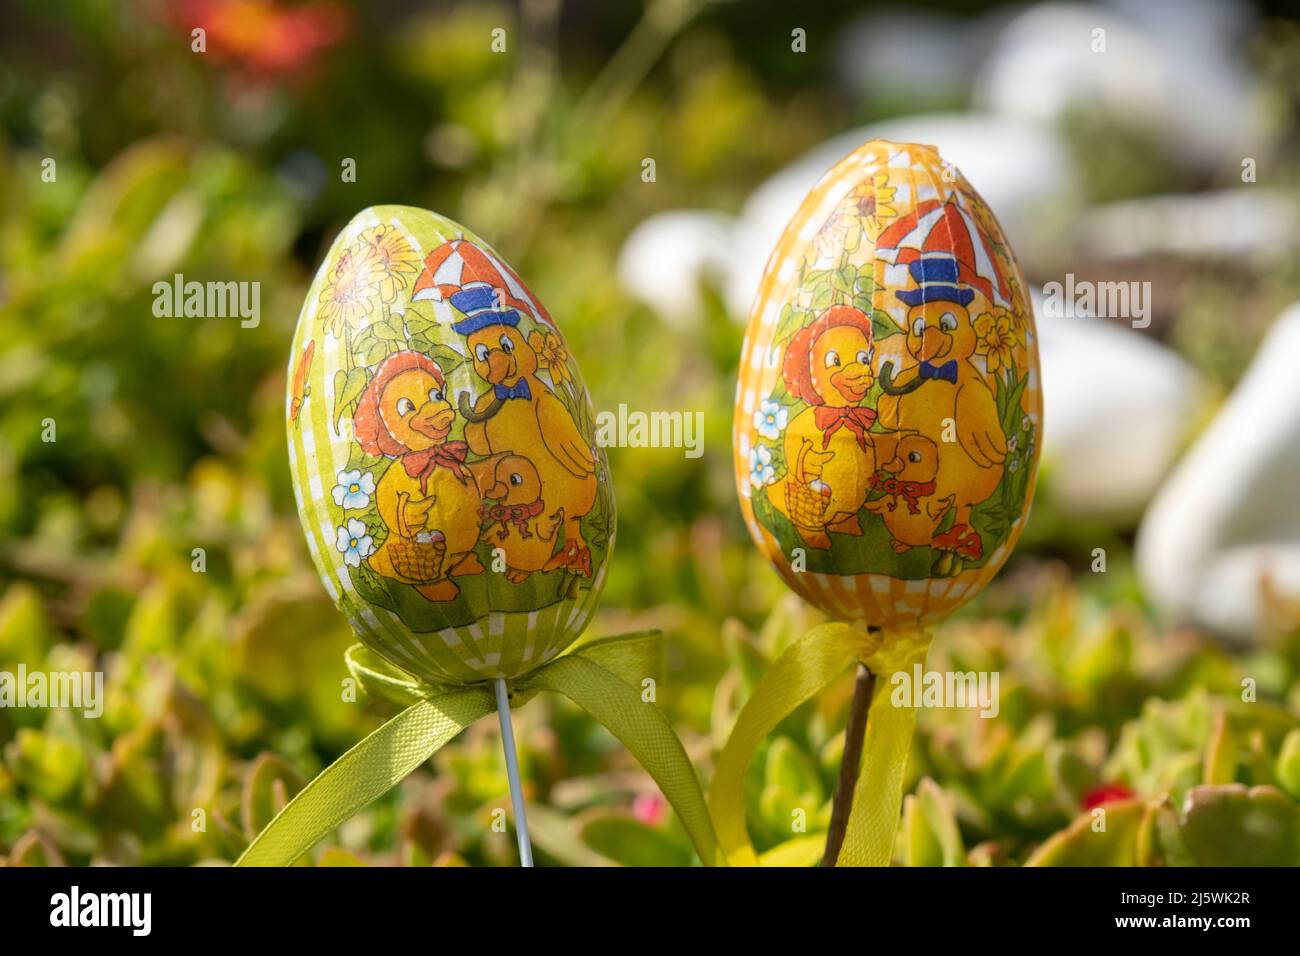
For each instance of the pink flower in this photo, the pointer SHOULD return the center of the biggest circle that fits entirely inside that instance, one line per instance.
(649, 808)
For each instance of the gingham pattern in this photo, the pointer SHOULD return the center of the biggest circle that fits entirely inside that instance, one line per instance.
(495, 643)
(916, 173)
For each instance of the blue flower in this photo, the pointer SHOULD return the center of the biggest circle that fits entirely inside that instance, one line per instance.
(761, 471)
(771, 418)
(353, 542)
(354, 489)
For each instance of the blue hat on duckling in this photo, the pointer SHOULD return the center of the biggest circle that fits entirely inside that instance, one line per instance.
(481, 304)
(937, 275)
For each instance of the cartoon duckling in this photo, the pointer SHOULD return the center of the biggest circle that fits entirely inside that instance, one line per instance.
(905, 482)
(519, 413)
(828, 451)
(515, 515)
(945, 392)
(427, 497)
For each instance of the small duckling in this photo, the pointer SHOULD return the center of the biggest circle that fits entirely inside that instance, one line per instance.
(514, 510)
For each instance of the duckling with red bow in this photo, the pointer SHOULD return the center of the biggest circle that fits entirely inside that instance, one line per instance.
(427, 498)
(828, 446)
(516, 518)
(902, 490)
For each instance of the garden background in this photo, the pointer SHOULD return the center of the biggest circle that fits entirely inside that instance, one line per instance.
(224, 689)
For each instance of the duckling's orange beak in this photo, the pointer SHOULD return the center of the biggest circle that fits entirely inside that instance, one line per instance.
(935, 343)
(501, 366)
(853, 381)
(433, 420)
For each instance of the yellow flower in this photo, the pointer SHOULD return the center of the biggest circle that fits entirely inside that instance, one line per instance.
(874, 203)
(551, 354)
(350, 291)
(1017, 317)
(395, 257)
(998, 338)
(841, 233)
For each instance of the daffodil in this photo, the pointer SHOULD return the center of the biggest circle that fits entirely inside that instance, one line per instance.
(997, 339)
(551, 354)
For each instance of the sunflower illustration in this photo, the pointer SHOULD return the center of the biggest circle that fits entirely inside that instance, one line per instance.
(396, 258)
(840, 233)
(351, 290)
(998, 337)
(551, 354)
(874, 203)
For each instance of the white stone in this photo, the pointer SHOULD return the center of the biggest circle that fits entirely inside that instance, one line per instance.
(1231, 224)
(666, 258)
(1169, 67)
(1116, 407)
(1228, 516)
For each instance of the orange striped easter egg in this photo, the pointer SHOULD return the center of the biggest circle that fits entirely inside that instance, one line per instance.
(888, 411)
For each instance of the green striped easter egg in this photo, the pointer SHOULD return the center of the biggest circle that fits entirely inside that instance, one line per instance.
(442, 444)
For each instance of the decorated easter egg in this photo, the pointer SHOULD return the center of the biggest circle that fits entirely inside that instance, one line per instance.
(454, 498)
(888, 410)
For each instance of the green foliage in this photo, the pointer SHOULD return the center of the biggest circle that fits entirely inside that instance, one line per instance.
(225, 679)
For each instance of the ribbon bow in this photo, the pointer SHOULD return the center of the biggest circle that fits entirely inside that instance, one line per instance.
(909, 491)
(422, 464)
(519, 514)
(947, 371)
(603, 677)
(804, 670)
(520, 390)
(829, 418)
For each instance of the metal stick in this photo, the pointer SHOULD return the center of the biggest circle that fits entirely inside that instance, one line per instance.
(512, 771)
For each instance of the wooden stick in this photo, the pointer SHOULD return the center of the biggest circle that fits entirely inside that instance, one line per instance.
(512, 772)
(854, 734)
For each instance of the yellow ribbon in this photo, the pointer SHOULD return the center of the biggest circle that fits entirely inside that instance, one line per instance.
(602, 677)
(799, 674)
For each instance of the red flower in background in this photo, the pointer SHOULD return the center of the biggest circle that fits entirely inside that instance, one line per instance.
(1106, 793)
(262, 36)
(649, 808)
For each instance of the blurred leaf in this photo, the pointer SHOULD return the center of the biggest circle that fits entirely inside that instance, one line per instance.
(1080, 844)
(269, 784)
(1288, 764)
(35, 849)
(800, 851)
(49, 766)
(337, 856)
(1221, 754)
(632, 843)
(1231, 825)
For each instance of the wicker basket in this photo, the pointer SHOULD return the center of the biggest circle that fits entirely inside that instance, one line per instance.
(807, 503)
(419, 559)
